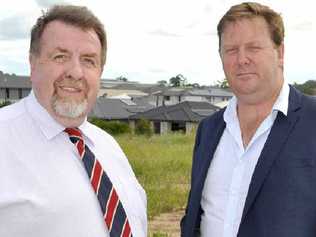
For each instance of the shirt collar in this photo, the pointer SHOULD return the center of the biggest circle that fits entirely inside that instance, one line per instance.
(48, 125)
(281, 104)
(230, 114)
(87, 130)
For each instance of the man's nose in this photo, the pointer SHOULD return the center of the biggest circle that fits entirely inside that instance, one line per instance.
(243, 57)
(75, 69)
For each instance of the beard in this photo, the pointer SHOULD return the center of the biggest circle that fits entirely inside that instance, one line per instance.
(68, 107)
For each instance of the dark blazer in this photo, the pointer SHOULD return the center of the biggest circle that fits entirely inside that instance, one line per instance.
(281, 200)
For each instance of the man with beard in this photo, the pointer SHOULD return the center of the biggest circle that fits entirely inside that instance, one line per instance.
(59, 174)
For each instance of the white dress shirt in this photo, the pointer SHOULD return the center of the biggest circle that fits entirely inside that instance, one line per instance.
(44, 187)
(229, 175)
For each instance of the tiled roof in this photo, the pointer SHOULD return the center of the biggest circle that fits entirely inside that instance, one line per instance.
(210, 91)
(185, 111)
(116, 109)
(13, 81)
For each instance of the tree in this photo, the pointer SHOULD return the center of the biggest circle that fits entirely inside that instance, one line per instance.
(194, 85)
(223, 83)
(174, 81)
(143, 127)
(178, 81)
(162, 83)
(5, 103)
(308, 87)
(121, 78)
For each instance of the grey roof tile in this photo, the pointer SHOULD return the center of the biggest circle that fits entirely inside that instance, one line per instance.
(14, 81)
(185, 111)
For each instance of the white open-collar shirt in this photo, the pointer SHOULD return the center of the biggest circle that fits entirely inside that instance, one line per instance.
(44, 188)
(229, 175)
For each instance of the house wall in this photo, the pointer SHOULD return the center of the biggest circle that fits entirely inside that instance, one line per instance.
(152, 125)
(2, 94)
(164, 127)
(158, 100)
(25, 92)
(171, 101)
(15, 94)
(152, 100)
(131, 124)
(175, 99)
(217, 99)
(193, 98)
(190, 127)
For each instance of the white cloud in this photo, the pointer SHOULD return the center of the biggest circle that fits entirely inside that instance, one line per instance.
(48, 3)
(15, 27)
(153, 40)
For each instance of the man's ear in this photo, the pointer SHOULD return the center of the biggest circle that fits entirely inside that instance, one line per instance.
(280, 51)
(32, 62)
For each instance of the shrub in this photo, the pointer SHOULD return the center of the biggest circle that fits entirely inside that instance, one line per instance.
(143, 127)
(112, 127)
(4, 103)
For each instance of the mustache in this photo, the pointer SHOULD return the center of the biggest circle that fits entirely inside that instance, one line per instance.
(77, 84)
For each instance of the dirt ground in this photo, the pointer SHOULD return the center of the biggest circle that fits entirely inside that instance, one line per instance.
(167, 223)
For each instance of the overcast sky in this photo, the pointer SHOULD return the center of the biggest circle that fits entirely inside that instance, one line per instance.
(152, 40)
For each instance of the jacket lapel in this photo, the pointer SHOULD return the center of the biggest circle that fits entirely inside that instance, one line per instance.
(208, 150)
(211, 134)
(281, 129)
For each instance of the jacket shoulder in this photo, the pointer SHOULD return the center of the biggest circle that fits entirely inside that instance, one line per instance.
(213, 119)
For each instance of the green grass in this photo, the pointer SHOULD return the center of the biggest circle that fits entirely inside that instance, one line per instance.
(162, 165)
(159, 234)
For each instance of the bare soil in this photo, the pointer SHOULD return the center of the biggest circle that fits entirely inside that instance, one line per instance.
(167, 223)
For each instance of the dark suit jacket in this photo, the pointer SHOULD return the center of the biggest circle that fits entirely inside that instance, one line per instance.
(281, 200)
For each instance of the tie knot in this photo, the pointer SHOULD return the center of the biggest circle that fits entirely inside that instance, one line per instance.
(75, 137)
(74, 134)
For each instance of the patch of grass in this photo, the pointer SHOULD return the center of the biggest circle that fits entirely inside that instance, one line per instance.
(162, 165)
(159, 234)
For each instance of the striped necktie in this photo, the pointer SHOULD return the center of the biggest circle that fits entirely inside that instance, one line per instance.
(112, 208)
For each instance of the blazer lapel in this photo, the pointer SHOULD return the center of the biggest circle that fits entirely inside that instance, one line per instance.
(279, 133)
(212, 134)
(209, 147)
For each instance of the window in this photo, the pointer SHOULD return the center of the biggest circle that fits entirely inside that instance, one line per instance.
(178, 126)
(20, 93)
(7, 93)
(167, 97)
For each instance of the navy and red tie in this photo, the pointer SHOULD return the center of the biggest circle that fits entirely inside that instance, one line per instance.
(112, 208)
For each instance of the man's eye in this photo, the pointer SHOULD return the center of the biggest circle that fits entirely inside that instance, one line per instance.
(60, 58)
(230, 50)
(254, 48)
(90, 62)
